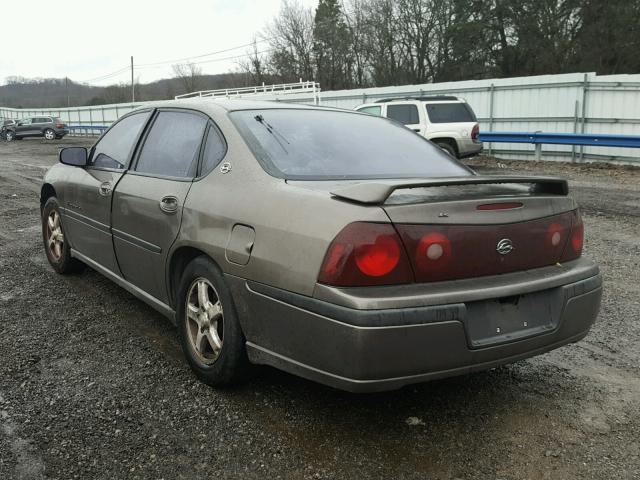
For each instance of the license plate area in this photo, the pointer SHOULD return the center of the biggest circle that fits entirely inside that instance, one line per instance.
(503, 320)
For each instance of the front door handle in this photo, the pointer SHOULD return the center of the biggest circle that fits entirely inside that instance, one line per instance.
(105, 189)
(169, 204)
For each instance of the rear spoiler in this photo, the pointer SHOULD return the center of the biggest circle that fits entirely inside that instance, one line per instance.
(377, 192)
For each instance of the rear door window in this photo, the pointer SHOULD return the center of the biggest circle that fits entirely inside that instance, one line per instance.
(172, 146)
(450, 113)
(405, 114)
(115, 147)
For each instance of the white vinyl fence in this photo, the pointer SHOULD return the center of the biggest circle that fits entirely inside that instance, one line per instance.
(568, 103)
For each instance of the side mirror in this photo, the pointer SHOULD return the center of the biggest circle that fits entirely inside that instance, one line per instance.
(20, 124)
(74, 156)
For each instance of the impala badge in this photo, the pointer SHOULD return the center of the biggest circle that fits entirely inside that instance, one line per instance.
(504, 246)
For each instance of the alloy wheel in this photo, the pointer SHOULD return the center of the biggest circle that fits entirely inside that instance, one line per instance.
(205, 321)
(49, 134)
(55, 237)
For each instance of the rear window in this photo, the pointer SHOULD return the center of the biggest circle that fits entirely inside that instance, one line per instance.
(321, 144)
(405, 114)
(450, 113)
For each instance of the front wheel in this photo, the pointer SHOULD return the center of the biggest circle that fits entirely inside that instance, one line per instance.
(210, 333)
(49, 134)
(9, 136)
(56, 247)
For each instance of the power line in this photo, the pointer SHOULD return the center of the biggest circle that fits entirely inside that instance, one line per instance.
(215, 59)
(203, 55)
(160, 64)
(108, 75)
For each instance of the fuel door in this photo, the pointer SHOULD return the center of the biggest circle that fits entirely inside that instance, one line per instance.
(240, 244)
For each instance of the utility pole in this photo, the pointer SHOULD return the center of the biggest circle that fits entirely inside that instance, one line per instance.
(133, 92)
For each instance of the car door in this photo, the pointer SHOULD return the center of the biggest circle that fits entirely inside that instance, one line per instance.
(148, 200)
(407, 114)
(37, 126)
(88, 193)
(24, 127)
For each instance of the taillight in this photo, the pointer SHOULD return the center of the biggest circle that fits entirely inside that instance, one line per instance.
(574, 247)
(366, 254)
(475, 133)
(383, 254)
(59, 125)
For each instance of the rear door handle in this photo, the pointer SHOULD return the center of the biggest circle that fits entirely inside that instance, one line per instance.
(105, 189)
(169, 204)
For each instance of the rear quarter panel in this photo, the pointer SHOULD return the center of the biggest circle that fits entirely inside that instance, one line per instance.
(293, 226)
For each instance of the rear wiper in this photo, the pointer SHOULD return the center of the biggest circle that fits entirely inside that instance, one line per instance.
(260, 119)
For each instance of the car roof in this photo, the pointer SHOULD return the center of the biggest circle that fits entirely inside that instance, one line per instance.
(217, 106)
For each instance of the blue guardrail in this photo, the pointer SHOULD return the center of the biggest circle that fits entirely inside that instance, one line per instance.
(587, 139)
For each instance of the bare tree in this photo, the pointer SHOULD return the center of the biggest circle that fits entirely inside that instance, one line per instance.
(255, 64)
(189, 75)
(291, 42)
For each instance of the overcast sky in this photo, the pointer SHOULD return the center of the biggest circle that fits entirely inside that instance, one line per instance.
(85, 40)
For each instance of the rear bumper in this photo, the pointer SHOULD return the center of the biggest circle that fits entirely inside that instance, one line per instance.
(469, 148)
(62, 132)
(375, 350)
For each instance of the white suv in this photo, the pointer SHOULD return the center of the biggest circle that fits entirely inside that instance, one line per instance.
(449, 122)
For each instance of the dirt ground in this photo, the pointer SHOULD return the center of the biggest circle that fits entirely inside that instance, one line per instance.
(93, 383)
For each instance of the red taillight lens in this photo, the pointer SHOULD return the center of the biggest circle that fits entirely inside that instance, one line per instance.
(475, 133)
(574, 247)
(59, 125)
(366, 254)
(379, 258)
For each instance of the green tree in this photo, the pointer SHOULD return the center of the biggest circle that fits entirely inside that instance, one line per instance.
(331, 46)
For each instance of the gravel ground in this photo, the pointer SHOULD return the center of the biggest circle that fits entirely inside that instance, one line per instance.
(93, 383)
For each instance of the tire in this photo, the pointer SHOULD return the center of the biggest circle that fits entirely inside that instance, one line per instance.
(448, 148)
(57, 249)
(212, 321)
(9, 136)
(49, 134)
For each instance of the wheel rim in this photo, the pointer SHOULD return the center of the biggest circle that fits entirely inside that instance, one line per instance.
(48, 135)
(55, 237)
(9, 136)
(204, 321)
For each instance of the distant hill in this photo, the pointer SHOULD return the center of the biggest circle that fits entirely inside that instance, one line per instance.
(52, 92)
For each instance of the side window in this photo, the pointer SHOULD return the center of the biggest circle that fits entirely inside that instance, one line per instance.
(115, 147)
(25, 121)
(172, 146)
(405, 114)
(214, 150)
(373, 110)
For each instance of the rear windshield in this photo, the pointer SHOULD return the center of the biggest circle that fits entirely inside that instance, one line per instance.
(321, 144)
(450, 113)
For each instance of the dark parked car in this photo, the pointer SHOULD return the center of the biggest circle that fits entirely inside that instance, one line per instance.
(47, 127)
(334, 245)
(5, 125)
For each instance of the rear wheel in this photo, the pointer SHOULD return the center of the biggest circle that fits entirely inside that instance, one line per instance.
(210, 333)
(56, 247)
(448, 148)
(49, 134)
